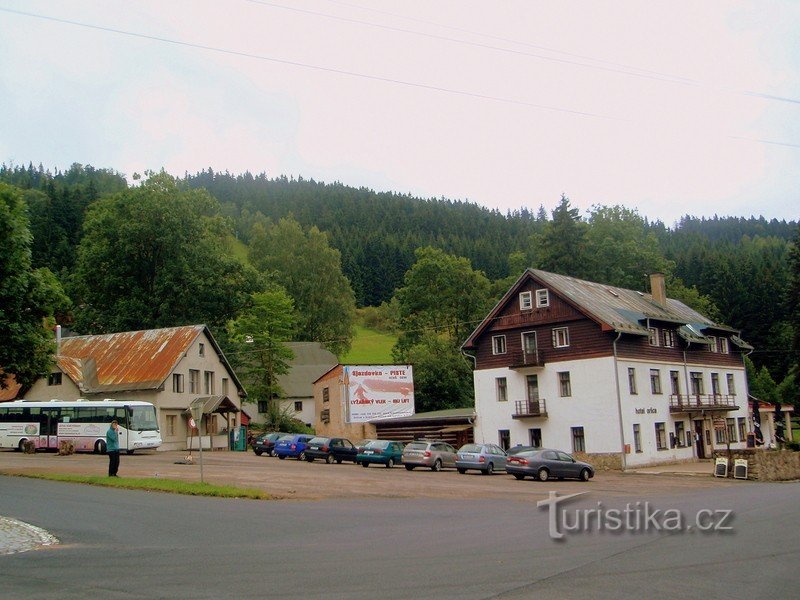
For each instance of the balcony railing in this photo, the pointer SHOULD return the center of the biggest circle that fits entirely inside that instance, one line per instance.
(522, 359)
(683, 403)
(529, 409)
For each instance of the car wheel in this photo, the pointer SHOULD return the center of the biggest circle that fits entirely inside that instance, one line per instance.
(281, 456)
(489, 469)
(272, 453)
(519, 476)
(99, 447)
(462, 471)
(258, 452)
(585, 475)
(543, 474)
(437, 466)
(301, 456)
(365, 464)
(390, 463)
(329, 459)
(410, 467)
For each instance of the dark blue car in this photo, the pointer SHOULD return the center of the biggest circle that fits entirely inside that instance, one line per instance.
(293, 445)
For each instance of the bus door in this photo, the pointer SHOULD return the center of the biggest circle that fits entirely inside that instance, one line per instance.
(48, 429)
(122, 421)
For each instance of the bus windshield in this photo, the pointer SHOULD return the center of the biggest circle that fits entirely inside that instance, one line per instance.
(142, 418)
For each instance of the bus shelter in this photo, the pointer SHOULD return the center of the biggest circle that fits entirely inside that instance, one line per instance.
(211, 434)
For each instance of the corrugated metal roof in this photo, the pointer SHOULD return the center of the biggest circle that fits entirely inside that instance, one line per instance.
(311, 361)
(131, 360)
(11, 390)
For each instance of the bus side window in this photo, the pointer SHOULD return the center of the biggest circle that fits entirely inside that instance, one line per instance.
(122, 417)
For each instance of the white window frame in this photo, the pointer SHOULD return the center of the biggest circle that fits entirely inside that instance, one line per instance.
(655, 381)
(496, 344)
(501, 388)
(526, 301)
(669, 338)
(723, 346)
(712, 346)
(652, 336)
(632, 388)
(563, 333)
(564, 384)
(528, 335)
(542, 298)
(729, 379)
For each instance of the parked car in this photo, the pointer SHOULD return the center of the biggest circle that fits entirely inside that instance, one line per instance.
(384, 452)
(331, 449)
(265, 443)
(486, 458)
(293, 444)
(361, 444)
(542, 464)
(432, 454)
(520, 448)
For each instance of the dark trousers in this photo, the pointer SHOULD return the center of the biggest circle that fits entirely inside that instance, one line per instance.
(113, 462)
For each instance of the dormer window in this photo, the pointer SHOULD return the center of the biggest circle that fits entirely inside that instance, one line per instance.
(542, 298)
(652, 336)
(712, 345)
(669, 338)
(525, 301)
(723, 345)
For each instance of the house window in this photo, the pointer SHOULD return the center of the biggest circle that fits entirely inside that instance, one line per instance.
(194, 381)
(326, 394)
(535, 436)
(560, 337)
(529, 342)
(578, 440)
(723, 345)
(542, 298)
(715, 389)
(652, 336)
(177, 383)
(712, 343)
(719, 435)
(742, 429)
(655, 381)
(502, 390)
(525, 301)
(669, 338)
(675, 383)
(263, 406)
(731, 384)
(505, 438)
(224, 386)
(730, 424)
(298, 406)
(632, 380)
(637, 438)
(696, 379)
(498, 344)
(54, 379)
(661, 436)
(202, 349)
(171, 424)
(208, 380)
(679, 433)
(564, 384)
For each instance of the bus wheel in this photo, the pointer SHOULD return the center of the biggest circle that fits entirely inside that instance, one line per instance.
(130, 452)
(21, 446)
(99, 447)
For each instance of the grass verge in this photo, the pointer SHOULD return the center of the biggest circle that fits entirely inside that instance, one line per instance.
(157, 484)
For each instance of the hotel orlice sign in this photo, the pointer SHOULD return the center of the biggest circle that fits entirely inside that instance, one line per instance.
(378, 392)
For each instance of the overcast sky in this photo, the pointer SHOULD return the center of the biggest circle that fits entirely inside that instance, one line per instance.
(669, 107)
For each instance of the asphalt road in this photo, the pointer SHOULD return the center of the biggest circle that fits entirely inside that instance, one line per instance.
(125, 544)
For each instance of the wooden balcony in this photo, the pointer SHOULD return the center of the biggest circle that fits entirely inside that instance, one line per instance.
(530, 409)
(523, 360)
(692, 403)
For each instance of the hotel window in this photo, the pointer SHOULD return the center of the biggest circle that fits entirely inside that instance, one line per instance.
(661, 436)
(723, 345)
(712, 343)
(194, 381)
(525, 301)
(637, 438)
(742, 429)
(560, 337)
(171, 422)
(679, 433)
(669, 338)
(655, 381)
(731, 384)
(498, 344)
(652, 336)
(696, 379)
(177, 383)
(535, 436)
(224, 386)
(54, 379)
(578, 440)
(564, 384)
(715, 384)
(298, 406)
(719, 435)
(202, 349)
(675, 383)
(730, 424)
(542, 298)
(208, 380)
(504, 436)
(632, 380)
(502, 389)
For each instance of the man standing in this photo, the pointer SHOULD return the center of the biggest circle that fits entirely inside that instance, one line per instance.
(112, 448)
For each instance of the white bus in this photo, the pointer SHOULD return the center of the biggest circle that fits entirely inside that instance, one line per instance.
(84, 422)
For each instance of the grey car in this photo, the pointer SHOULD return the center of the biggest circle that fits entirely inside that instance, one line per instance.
(546, 463)
(432, 454)
(486, 458)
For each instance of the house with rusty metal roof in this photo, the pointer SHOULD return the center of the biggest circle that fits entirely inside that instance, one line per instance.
(621, 377)
(168, 367)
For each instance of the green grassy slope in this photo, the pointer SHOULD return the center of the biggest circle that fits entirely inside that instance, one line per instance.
(370, 347)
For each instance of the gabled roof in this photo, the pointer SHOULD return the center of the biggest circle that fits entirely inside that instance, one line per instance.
(130, 360)
(614, 309)
(311, 360)
(12, 389)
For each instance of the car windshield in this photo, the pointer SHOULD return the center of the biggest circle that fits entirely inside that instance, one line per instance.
(378, 444)
(417, 446)
(471, 448)
(319, 440)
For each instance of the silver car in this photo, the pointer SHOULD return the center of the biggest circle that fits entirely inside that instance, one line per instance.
(486, 458)
(432, 454)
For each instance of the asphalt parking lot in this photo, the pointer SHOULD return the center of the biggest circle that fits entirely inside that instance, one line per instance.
(288, 479)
